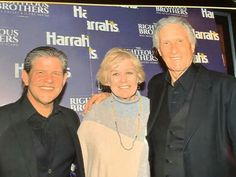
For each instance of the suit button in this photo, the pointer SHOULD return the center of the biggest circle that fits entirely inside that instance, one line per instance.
(169, 161)
(170, 146)
(172, 132)
(49, 171)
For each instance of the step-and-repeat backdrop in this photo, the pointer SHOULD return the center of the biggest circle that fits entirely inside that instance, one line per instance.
(85, 33)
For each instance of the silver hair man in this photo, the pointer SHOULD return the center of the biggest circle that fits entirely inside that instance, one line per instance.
(172, 20)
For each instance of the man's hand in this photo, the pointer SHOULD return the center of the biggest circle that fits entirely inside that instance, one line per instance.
(96, 98)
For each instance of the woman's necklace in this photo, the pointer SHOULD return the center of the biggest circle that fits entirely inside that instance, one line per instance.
(137, 122)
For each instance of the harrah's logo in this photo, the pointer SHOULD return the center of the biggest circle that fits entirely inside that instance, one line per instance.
(207, 14)
(25, 8)
(9, 37)
(78, 41)
(107, 26)
(211, 35)
(20, 66)
(79, 12)
(200, 58)
(93, 53)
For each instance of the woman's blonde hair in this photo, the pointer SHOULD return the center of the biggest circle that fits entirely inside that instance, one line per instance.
(114, 56)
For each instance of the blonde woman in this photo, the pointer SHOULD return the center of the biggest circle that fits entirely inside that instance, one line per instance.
(112, 134)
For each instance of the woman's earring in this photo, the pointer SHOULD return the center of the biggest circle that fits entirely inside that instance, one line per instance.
(138, 86)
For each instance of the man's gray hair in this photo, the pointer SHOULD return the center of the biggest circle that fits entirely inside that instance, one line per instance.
(45, 51)
(172, 20)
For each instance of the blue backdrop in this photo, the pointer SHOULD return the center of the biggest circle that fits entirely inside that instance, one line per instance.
(85, 33)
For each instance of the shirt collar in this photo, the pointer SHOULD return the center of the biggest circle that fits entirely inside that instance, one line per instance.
(29, 110)
(27, 107)
(186, 79)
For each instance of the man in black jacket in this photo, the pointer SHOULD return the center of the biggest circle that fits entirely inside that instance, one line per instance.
(192, 124)
(38, 137)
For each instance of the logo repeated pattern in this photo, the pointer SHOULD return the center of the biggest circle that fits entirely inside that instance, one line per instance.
(85, 33)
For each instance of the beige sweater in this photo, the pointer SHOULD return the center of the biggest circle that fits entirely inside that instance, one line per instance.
(101, 146)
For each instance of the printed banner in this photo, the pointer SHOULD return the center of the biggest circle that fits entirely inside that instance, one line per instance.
(85, 33)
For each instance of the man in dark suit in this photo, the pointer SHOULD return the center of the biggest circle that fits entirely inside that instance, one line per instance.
(38, 137)
(192, 122)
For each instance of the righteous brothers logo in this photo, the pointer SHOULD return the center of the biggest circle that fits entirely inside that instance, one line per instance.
(211, 35)
(9, 37)
(200, 58)
(106, 26)
(77, 104)
(179, 11)
(145, 56)
(79, 41)
(24, 8)
(146, 30)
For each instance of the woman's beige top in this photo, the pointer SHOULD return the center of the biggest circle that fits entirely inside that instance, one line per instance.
(110, 149)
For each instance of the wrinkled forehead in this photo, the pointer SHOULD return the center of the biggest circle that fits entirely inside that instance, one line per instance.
(175, 31)
(47, 62)
(173, 28)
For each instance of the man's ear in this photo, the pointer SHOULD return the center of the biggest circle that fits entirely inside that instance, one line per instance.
(159, 51)
(193, 47)
(25, 77)
(65, 78)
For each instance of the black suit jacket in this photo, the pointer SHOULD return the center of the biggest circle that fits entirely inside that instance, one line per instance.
(17, 158)
(210, 135)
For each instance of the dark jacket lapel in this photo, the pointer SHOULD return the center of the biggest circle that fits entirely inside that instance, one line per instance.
(195, 116)
(73, 127)
(24, 137)
(156, 95)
